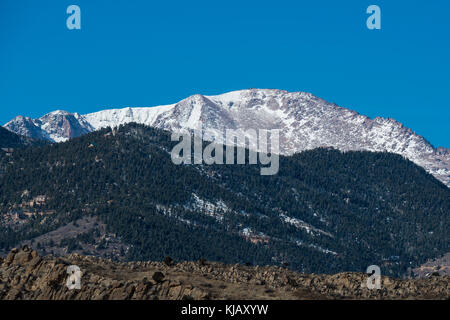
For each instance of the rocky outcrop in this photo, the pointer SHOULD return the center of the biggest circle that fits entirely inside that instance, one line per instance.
(25, 275)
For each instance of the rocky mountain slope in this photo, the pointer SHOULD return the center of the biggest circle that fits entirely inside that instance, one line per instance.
(116, 193)
(10, 140)
(24, 275)
(56, 126)
(439, 266)
(306, 122)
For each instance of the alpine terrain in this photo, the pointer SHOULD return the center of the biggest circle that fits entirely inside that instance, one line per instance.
(305, 122)
(115, 193)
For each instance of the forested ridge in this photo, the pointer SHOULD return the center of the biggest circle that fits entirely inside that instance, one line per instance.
(325, 211)
(9, 139)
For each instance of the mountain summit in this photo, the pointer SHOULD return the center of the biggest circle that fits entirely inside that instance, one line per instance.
(305, 122)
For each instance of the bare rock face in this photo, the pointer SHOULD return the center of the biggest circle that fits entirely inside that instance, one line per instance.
(25, 275)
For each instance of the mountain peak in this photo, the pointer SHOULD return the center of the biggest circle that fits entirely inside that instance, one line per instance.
(18, 119)
(59, 112)
(304, 120)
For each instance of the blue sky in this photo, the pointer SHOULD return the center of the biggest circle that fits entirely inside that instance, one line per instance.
(145, 53)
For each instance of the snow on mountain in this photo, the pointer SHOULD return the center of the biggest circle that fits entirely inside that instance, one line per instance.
(56, 126)
(116, 117)
(305, 122)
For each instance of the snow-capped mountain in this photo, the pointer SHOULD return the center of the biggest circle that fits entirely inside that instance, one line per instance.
(56, 126)
(305, 122)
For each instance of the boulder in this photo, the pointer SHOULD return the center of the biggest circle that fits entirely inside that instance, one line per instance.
(158, 277)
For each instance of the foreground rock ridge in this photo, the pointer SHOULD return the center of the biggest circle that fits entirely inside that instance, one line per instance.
(24, 275)
(304, 120)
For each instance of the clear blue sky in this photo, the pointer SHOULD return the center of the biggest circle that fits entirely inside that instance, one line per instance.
(145, 53)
